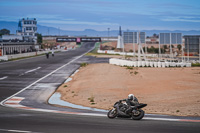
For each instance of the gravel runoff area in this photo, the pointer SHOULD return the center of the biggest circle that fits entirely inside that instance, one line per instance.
(171, 91)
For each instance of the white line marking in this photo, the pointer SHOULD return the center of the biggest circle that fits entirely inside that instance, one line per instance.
(2, 102)
(32, 70)
(91, 114)
(3, 77)
(18, 131)
(160, 119)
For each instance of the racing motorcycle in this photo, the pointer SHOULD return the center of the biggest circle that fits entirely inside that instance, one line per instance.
(119, 110)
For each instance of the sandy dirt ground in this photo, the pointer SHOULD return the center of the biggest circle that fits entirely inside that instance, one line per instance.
(172, 91)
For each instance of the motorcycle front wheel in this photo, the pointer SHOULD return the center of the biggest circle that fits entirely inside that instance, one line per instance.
(112, 113)
(139, 115)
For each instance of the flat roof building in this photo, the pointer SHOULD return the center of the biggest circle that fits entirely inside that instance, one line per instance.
(133, 37)
(192, 43)
(28, 29)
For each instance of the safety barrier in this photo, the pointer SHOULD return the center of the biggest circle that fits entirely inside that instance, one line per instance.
(124, 53)
(15, 56)
(121, 62)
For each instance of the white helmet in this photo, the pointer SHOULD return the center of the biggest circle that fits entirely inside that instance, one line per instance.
(130, 96)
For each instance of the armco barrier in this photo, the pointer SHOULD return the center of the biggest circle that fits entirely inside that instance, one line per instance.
(121, 62)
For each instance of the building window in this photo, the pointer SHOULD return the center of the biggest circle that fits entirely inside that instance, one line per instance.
(28, 28)
(28, 22)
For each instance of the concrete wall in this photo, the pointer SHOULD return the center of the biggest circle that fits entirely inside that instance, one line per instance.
(121, 62)
(14, 56)
(123, 53)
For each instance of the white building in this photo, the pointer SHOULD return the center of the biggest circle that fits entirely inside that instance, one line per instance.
(25, 40)
(28, 29)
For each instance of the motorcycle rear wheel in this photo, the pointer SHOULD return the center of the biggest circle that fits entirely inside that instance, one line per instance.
(139, 116)
(112, 113)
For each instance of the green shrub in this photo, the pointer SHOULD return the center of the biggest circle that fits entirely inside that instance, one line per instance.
(135, 72)
(196, 64)
(91, 99)
(84, 64)
(128, 67)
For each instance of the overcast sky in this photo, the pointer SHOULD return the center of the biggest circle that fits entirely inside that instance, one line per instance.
(103, 14)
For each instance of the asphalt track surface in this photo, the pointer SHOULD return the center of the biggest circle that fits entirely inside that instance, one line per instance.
(17, 75)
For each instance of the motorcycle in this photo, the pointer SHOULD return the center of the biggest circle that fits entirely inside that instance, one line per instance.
(119, 110)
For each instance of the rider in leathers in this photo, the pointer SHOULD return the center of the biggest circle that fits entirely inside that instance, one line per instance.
(131, 101)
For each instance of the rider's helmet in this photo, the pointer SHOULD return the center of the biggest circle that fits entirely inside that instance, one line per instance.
(130, 96)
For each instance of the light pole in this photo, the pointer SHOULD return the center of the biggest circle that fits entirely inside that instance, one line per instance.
(145, 45)
(199, 49)
(183, 54)
(108, 33)
(128, 37)
(133, 45)
(139, 48)
(188, 49)
(170, 45)
(159, 49)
